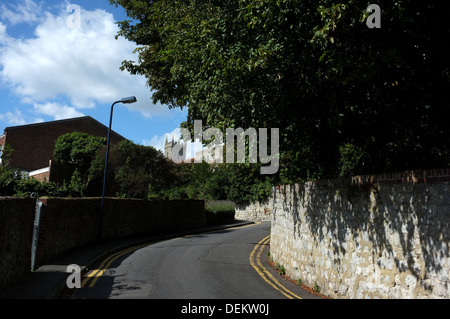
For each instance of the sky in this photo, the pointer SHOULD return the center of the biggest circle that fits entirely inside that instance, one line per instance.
(59, 59)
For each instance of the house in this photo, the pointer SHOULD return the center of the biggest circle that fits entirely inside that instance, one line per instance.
(33, 144)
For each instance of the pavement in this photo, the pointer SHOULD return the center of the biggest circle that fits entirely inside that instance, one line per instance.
(48, 281)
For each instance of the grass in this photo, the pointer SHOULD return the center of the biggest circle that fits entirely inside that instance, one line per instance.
(219, 211)
(220, 206)
(316, 288)
(282, 272)
(280, 268)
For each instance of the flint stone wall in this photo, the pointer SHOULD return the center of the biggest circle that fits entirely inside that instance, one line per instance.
(366, 237)
(254, 211)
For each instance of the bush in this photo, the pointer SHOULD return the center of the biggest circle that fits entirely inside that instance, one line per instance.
(217, 212)
(234, 182)
(220, 206)
(351, 160)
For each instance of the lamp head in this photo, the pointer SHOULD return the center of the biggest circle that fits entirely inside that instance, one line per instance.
(128, 100)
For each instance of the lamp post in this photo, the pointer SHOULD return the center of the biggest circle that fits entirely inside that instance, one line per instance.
(126, 100)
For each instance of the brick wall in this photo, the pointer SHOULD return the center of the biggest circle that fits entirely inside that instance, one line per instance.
(16, 229)
(34, 144)
(70, 222)
(42, 174)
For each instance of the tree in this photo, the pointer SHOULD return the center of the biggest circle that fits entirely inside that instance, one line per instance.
(235, 182)
(8, 175)
(139, 167)
(77, 150)
(311, 68)
(12, 182)
(133, 170)
(387, 85)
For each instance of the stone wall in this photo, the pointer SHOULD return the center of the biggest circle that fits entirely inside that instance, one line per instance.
(367, 237)
(255, 211)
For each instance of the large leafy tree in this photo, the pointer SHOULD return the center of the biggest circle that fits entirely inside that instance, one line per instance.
(139, 168)
(133, 170)
(387, 86)
(75, 151)
(347, 99)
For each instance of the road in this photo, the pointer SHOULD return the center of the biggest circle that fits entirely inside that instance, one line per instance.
(224, 264)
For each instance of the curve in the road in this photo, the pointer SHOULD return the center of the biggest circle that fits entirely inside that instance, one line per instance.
(104, 267)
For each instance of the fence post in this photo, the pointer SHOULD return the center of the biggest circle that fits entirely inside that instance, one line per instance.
(35, 239)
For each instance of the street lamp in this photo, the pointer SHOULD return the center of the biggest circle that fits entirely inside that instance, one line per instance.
(125, 100)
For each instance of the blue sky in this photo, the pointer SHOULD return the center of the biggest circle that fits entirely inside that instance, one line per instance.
(60, 59)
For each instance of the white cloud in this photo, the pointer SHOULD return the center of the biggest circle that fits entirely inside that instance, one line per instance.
(13, 118)
(25, 12)
(57, 110)
(18, 118)
(80, 64)
(3, 34)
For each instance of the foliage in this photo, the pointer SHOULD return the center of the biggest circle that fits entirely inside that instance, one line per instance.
(316, 288)
(311, 68)
(133, 170)
(347, 99)
(12, 184)
(387, 84)
(280, 268)
(352, 160)
(233, 182)
(77, 150)
(136, 171)
(8, 180)
(219, 211)
(77, 186)
(220, 205)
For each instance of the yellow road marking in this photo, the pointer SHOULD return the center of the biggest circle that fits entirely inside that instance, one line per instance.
(271, 276)
(106, 263)
(266, 275)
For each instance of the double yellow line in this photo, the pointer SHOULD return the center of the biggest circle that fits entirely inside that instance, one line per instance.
(106, 263)
(94, 275)
(255, 262)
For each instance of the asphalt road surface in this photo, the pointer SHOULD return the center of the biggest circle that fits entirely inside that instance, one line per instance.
(224, 264)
